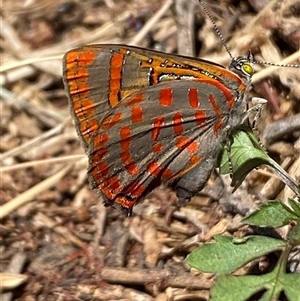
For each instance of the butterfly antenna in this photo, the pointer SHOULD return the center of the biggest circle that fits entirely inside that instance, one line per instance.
(276, 65)
(215, 27)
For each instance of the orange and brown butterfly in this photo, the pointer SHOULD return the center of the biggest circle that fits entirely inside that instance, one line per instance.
(146, 117)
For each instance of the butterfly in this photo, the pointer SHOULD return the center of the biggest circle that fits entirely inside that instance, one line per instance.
(146, 117)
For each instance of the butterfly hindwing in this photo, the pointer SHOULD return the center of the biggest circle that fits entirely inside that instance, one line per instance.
(152, 137)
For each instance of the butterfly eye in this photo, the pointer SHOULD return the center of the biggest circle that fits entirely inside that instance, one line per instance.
(242, 67)
(247, 68)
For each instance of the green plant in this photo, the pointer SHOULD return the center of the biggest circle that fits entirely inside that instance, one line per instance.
(227, 254)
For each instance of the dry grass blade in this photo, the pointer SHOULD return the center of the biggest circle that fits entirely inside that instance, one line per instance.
(10, 280)
(42, 162)
(31, 193)
(17, 64)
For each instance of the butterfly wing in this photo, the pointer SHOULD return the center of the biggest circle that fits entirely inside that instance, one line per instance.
(146, 117)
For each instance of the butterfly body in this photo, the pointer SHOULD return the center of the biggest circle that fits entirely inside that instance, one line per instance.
(146, 117)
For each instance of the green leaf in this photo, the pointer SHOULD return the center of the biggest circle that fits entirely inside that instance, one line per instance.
(228, 254)
(246, 153)
(273, 214)
(240, 288)
(244, 157)
(295, 206)
(291, 282)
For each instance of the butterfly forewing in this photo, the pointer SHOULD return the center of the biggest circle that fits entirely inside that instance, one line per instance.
(146, 117)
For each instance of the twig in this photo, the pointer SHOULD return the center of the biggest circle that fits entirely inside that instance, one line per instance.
(165, 277)
(185, 11)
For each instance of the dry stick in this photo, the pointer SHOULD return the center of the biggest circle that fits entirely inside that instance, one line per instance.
(30, 194)
(185, 12)
(150, 23)
(142, 276)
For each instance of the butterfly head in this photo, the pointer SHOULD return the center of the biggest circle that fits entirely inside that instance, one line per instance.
(243, 67)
